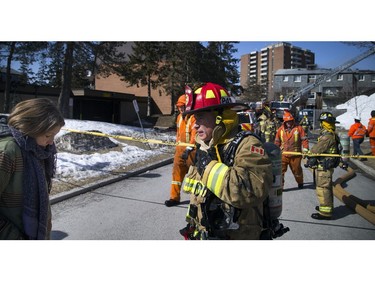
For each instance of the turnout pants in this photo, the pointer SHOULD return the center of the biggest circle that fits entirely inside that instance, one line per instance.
(324, 191)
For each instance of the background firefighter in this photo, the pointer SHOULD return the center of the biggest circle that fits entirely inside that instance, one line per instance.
(305, 124)
(268, 125)
(291, 137)
(371, 131)
(226, 201)
(357, 132)
(183, 156)
(328, 142)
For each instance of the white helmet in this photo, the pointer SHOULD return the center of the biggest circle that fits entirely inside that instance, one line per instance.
(357, 118)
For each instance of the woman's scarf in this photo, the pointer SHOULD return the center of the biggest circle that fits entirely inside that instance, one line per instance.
(39, 168)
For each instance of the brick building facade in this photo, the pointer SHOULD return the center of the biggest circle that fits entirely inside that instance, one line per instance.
(259, 66)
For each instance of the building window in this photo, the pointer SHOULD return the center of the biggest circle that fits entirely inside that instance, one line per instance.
(285, 78)
(340, 77)
(361, 77)
(312, 78)
(297, 78)
(372, 78)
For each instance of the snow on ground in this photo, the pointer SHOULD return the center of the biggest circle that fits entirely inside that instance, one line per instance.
(84, 165)
(358, 106)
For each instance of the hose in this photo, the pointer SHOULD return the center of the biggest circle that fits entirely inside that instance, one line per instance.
(366, 211)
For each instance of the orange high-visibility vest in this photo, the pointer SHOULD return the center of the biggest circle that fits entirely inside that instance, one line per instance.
(293, 140)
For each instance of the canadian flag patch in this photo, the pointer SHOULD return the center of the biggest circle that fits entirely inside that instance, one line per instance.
(257, 150)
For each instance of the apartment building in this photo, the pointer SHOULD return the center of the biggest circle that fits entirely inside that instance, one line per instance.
(258, 67)
(334, 90)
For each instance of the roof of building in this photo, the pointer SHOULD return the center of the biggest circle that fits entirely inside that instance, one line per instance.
(305, 71)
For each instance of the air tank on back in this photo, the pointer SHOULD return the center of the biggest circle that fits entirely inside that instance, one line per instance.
(345, 143)
(276, 191)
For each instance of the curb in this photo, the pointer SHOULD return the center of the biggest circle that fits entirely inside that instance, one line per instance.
(80, 190)
(368, 170)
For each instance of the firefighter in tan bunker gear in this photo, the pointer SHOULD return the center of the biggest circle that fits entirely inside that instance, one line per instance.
(226, 200)
(305, 124)
(328, 144)
(267, 125)
(291, 137)
(184, 155)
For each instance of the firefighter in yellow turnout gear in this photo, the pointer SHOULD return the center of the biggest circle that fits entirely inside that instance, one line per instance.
(305, 124)
(328, 142)
(268, 125)
(226, 200)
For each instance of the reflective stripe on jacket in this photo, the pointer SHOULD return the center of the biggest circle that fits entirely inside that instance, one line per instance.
(245, 185)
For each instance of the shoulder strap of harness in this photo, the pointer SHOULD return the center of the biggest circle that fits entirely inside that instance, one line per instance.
(231, 150)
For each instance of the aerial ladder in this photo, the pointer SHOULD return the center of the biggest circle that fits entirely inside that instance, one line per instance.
(303, 92)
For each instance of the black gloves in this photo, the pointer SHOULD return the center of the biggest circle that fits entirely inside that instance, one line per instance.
(204, 158)
(185, 155)
(312, 162)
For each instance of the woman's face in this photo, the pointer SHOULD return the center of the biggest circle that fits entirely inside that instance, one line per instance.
(48, 137)
(205, 124)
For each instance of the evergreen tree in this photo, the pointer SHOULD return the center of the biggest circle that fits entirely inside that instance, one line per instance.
(50, 70)
(24, 52)
(144, 67)
(65, 65)
(182, 66)
(221, 67)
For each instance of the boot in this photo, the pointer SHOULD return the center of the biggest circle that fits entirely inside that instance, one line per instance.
(171, 203)
(318, 216)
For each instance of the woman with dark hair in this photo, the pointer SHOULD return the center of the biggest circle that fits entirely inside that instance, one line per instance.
(27, 165)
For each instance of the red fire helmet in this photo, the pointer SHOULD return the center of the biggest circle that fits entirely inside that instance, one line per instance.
(210, 96)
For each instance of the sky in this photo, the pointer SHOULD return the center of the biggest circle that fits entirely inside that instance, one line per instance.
(328, 54)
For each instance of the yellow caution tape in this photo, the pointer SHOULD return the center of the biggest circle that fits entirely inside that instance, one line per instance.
(327, 155)
(138, 139)
(146, 140)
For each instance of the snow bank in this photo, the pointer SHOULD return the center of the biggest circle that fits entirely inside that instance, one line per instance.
(358, 106)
